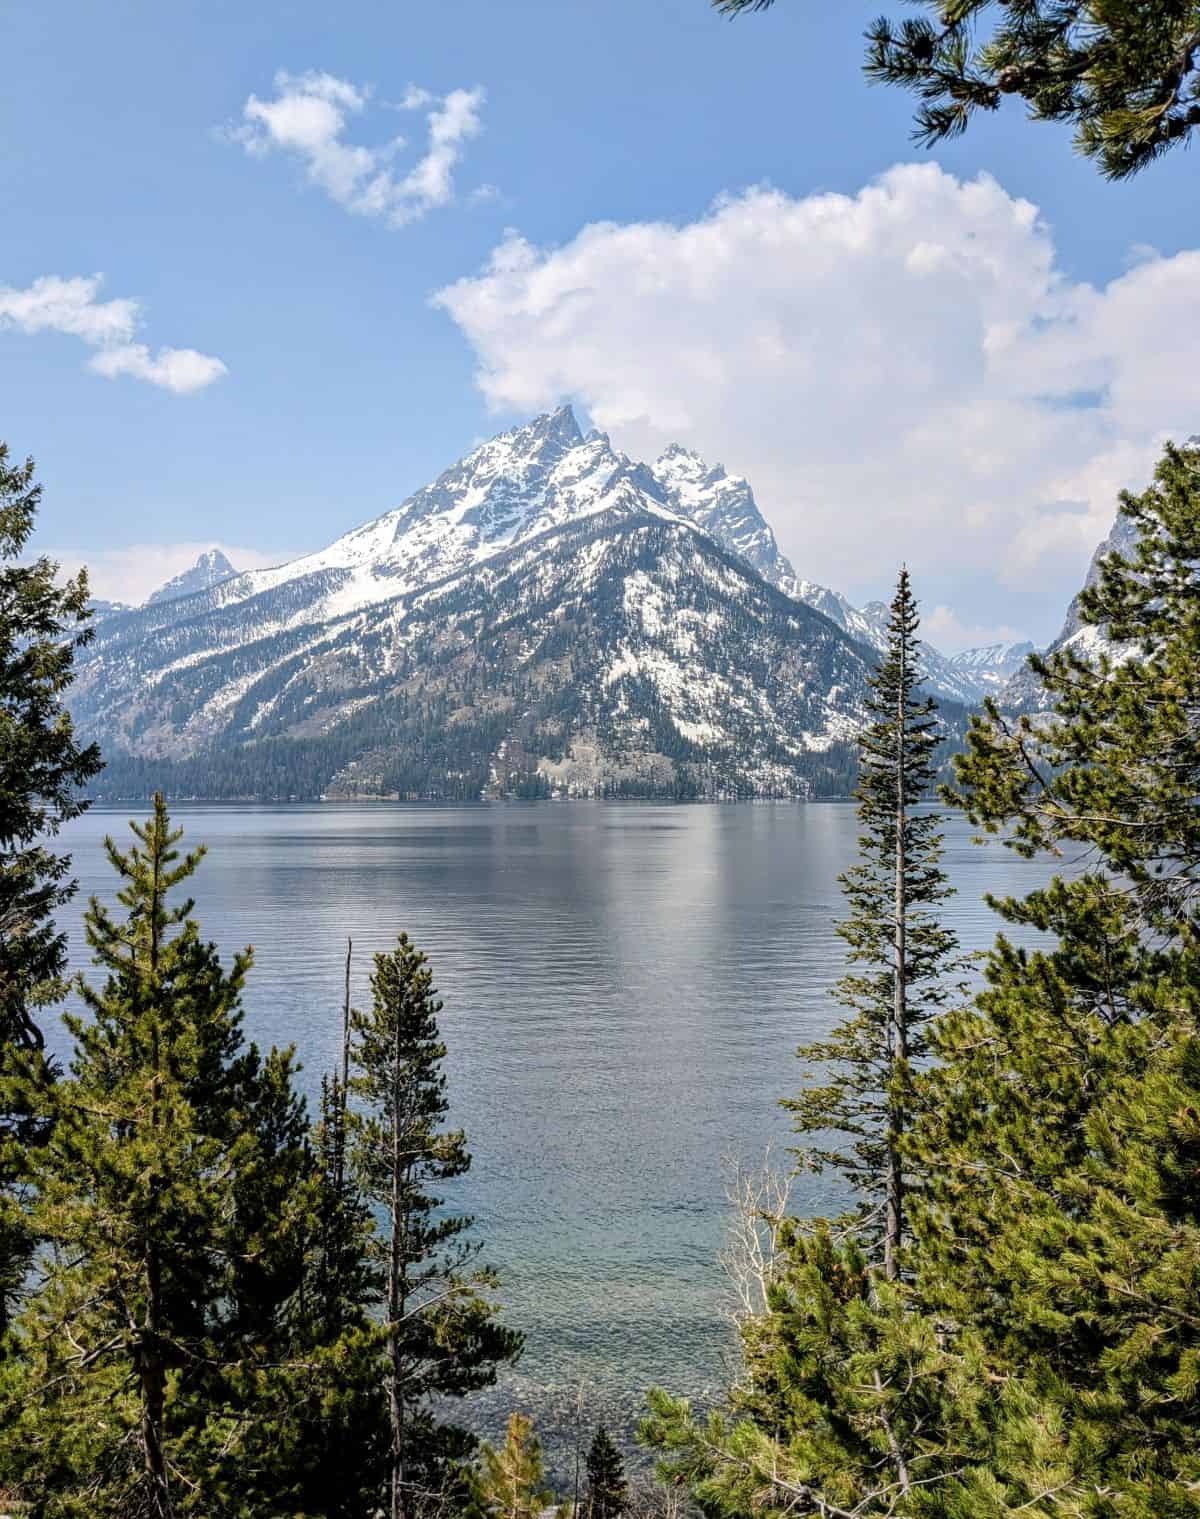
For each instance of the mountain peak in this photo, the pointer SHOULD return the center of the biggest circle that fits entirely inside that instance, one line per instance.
(215, 561)
(210, 569)
(675, 459)
(559, 424)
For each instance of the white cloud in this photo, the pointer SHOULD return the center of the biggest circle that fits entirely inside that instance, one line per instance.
(182, 370)
(905, 373)
(308, 118)
(72, 306)
(130, 574)
(415, 98)
(52, 304)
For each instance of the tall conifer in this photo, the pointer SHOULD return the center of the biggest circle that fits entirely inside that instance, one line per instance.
(900, 952)
(442, 1336)
(607, 1490)
(161, 1193)
(849, 1406)
(42, 763)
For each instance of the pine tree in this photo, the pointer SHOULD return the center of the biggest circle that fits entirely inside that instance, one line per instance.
(606, 1486)
(42, 764)
(42, 767)
(161, 1195)
(1124, 73)
(1057, 1127)
(318, 1440)
(901, 953)
(848, 1403)
(510, 1483)
(442, 1336)
(848, 1407)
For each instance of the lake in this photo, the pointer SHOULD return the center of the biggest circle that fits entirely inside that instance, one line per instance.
(624, 986)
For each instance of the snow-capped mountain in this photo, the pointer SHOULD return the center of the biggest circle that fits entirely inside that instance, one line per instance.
(547, 615)
(993, 662)
(966, 677)
(99, 607)
(210, 569)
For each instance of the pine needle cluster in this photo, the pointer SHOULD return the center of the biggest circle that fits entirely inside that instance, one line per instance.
(1124, 73)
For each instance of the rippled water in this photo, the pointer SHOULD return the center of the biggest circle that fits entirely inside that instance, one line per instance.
(624, 986)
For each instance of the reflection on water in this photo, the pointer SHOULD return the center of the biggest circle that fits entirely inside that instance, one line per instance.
(624, 985)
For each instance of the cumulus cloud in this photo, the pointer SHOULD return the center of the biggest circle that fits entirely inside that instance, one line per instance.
(308, 116)
(72, 306)
(130, 574)
(905, 373)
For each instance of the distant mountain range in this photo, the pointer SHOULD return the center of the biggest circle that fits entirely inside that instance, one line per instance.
(548, 617)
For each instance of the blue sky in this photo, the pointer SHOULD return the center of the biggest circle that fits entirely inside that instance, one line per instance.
(936, 373)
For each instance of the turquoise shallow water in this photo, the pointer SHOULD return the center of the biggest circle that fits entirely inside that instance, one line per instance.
(624, 985)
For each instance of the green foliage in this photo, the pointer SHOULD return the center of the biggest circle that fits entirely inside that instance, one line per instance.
(848, 1405)
(510, 1481)
(42, 766)
(42, 626)
(607, 1490)
(164, 1366)
(1118, 770)
(1124, 73)
(899, 951)
(442, 1336)
(1059, 1127)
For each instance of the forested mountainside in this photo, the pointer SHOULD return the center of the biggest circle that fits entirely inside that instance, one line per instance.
(547, 618)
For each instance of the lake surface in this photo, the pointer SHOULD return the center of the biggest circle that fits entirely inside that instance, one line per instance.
(624, 986)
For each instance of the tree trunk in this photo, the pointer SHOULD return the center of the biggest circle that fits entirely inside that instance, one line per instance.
(151, 1371)
(396, 1296)
(153, 1385)
(898, 1032)
(344, 1093)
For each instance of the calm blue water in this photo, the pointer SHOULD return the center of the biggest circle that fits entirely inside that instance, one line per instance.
(624, 985)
